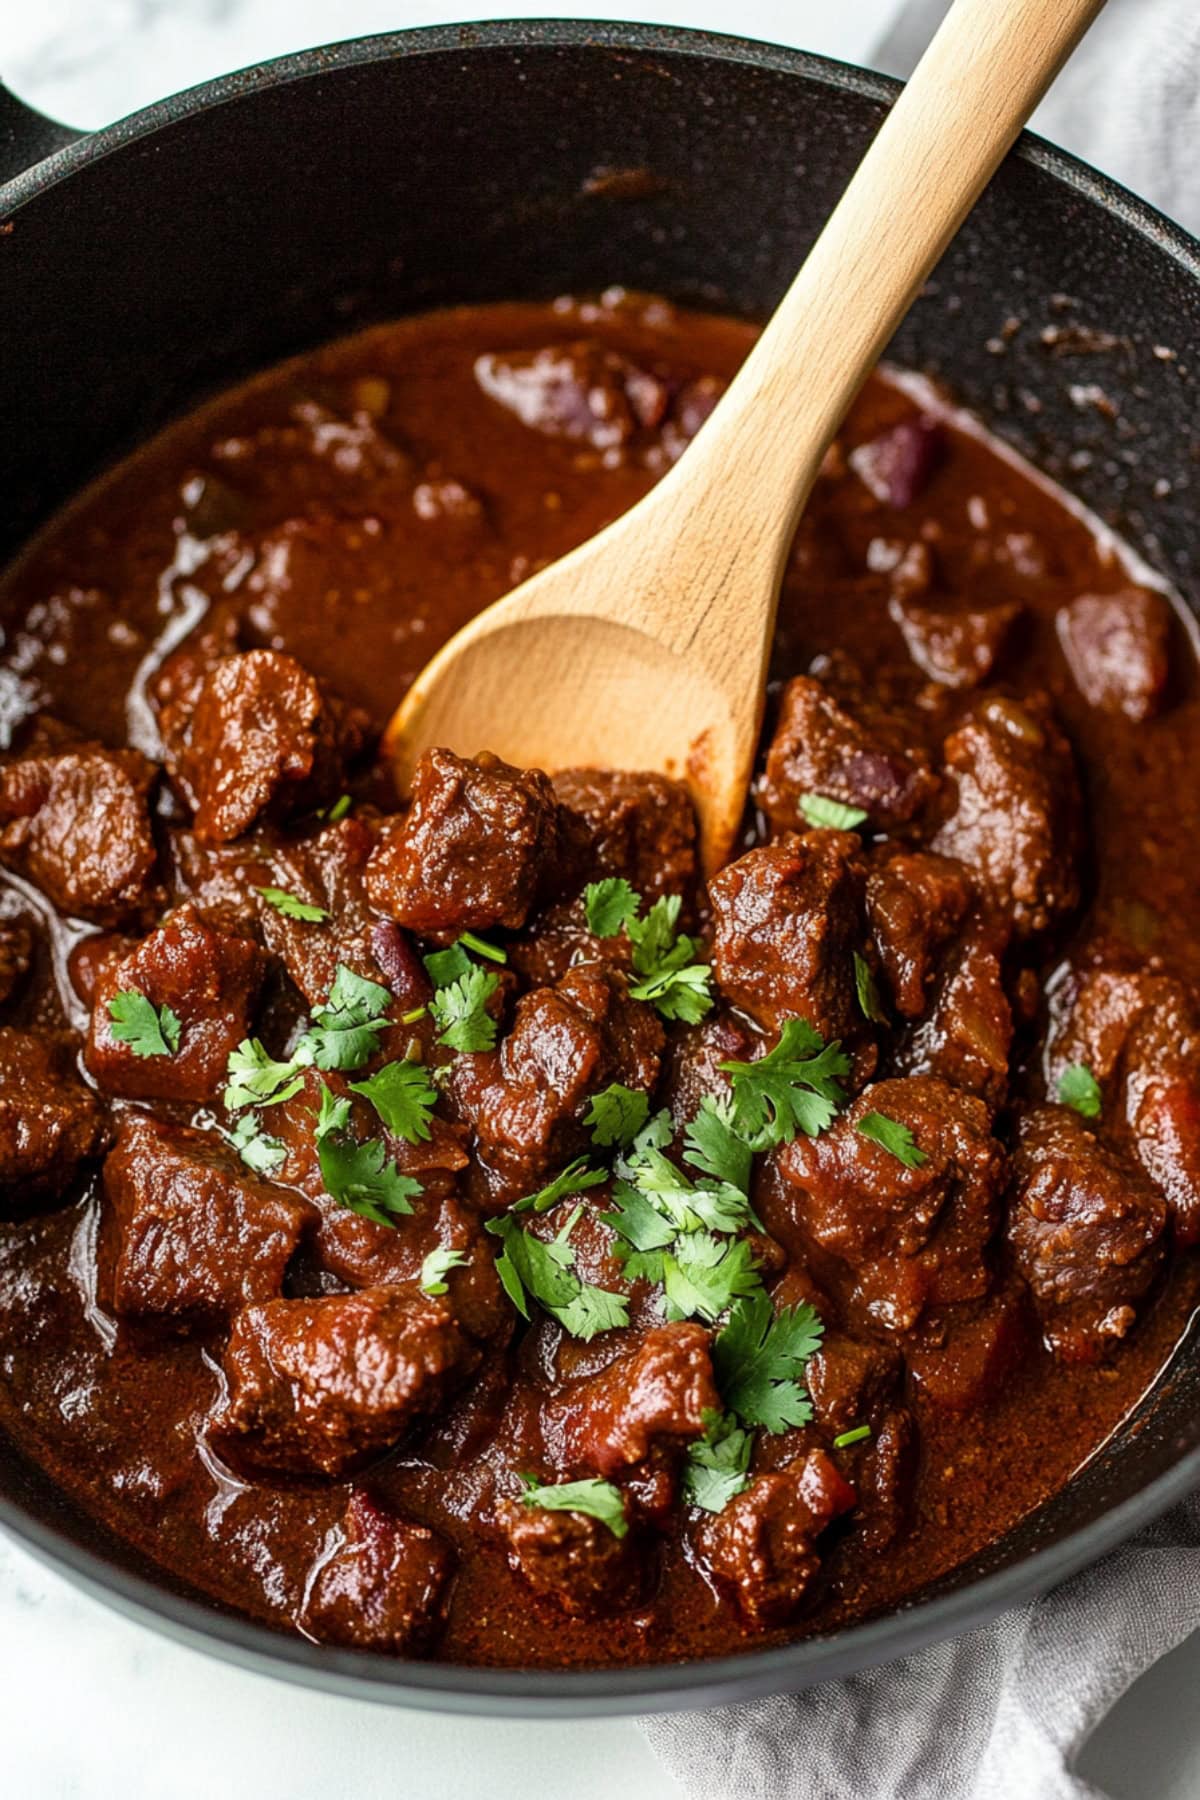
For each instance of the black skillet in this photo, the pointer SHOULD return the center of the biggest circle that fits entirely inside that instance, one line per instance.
(144, 265)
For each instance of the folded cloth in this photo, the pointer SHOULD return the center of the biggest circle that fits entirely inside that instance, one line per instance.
(1002, 1713)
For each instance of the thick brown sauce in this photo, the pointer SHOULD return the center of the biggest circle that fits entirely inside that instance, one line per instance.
(114, 1417)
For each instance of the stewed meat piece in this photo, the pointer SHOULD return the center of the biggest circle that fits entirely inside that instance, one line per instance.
(16, 954)
(967, 1032)
(571, 1559)
(1117, 647)
(386, 1585)
(49, 1122)
(1160, 1103)
(915, 903)
(908, 1233)
(1017, 811)
(1095, 1005)
(867, 757)
(471, 852)
(318, 1386)
(762, 1547)
(76, 822)
(190, 1234)
(896, 465)
(655, 1393)
(956, 646)
(641, 826)
(208, 978)
(1087, 1229)
(963, 1363)
(580, 391)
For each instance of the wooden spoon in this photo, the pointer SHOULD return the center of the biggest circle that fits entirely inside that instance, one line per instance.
(647, 647)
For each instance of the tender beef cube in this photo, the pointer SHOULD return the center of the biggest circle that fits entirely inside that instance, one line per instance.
(472, 850)
(640, 826)
(49, 1122)
(1095, 1007)
(963, 1365)
(867, 757)
(579, 391)
(896, 466)
(908, 1237)
(694, 1057)
(1117, 648)
(915, 903)
(852, 1380)
(571, 1558)
(655, 1394)
(16, 954)
(967, 1034)
(321, 1385)
(527, 1100)
(191, 1235)
(329, 451)
(884, 1468)
(762, 1546)
(1160, 1101)
(384, 1587)
(76, 822)
(210, 981)
(1017, 813)
(1087, 1230)
(787, 920)
(957, 646)
(253, 737)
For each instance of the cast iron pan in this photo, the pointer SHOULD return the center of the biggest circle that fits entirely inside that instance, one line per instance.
(149, 263)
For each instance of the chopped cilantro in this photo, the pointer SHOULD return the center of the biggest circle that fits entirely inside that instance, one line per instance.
(403, 1096)
(572, 1180)
(259, 1152)
(290, 907)
(435, 1268)
(445, 966)
(481, 947)
(598, 1499)
(256, 1079)
(339, 809)
(703, 1275)
(854, 1436)
(795, 1087)
(609, 905)
(334, 1113)
(616, 1115)
(714, 1146)
(663, 957)
(689, 1205)
(717, 1467)
(1078, 1088)
(148, 1030)
(532, 1270)
(869, 1003)
(344, 1031)
(820, 811)
(892, 1136)
(460, 1011)
(759, 1358)
(359, 1176)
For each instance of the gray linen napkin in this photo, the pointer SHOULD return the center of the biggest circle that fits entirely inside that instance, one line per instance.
(1002, 1713)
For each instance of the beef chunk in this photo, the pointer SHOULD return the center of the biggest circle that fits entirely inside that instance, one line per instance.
(762, 1547)
(527, 1100)
(320, 1385)
(192, 1235)
(897, 465)
(1160, 1103)
(1117, 647)
(787, 919)
(49, 1122)
(1086, 1227)
(571, 1558)
(472, 849)
(384, 1587)
(655, 1394)
(1095, 1007)
(1017, 810)
(16, 954)
(957, 646)
(640, 826)
(76, 822)
(852, 1380)
(916, 903)
(966, 1037)
(906, 1238)
(977, 1348)
(578, 391)
(252, 736)
(694, 1057)
(866, 757)
(210, 981)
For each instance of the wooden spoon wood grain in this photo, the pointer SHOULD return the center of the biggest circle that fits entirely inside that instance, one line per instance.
(647, 647)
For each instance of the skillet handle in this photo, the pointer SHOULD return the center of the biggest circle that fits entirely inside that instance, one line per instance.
(27, 136)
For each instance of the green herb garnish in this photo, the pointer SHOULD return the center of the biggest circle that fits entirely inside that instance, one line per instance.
(854, 1436)
(259, 1152)
(598, 1499)
(892, 1136)
(759, 1358)
(403, 1096)
(360, 1177)
(148, 1030)
(290, 907)
(717, 1467)
(531, 1270)
(869, 1003)
(616, 1115)
(572, 1180)
(435, 1268)
(1079, 1089)
(257, 1079)
(795, 1087)
(830, 815)
(460, 1011)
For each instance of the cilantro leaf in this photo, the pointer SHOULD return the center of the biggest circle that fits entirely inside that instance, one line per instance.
(892, 1136)
(481, 947)
(446, 966)
(344, 1032)
(333, 1115)
(869, 1003)
(530, 1269)
(714, 1146)
(703, 1275)
(617, 1114)
(290, 907)
(148, 1030)
(714, 1205)
(820, 811)
(256, 1079)
(598, 1499)
(638, 1222)
(608, 905)
(571, 1180)
(403, 1096)
(679, 992)
(654, 936)
(795, 1087)
(339, 809)
(1078, 1088)
(759, 1357)
(435, 1268)
(460, 1011)
(360, 1177)
(259, 1152)
(855, 1435)
(718, 1464)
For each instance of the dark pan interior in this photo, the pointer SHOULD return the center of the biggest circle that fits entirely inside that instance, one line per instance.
(222, 231)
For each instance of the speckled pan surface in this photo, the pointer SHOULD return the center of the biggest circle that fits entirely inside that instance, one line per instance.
(1064, 315)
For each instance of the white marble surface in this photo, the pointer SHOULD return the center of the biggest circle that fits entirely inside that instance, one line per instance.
(94, 1708)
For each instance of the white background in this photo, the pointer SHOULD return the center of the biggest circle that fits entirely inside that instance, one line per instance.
(92, 1708)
